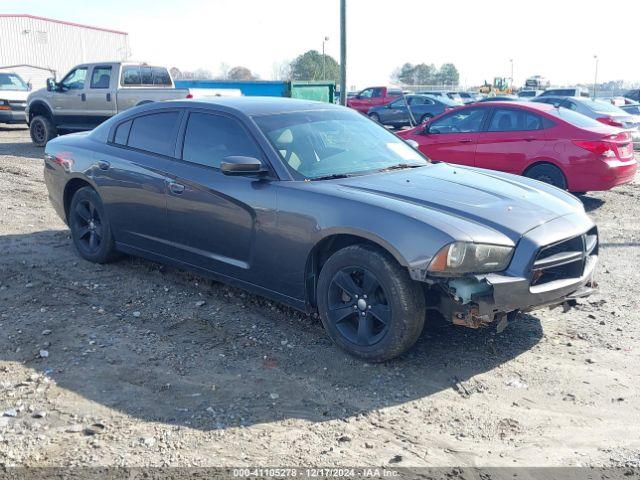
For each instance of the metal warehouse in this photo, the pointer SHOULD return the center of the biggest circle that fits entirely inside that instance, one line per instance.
(37, 48)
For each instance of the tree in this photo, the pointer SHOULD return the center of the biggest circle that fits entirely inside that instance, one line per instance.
(424, 74)
(176, 74)
(404, 74)
(311, 65)
(449, 74)
(241, 73)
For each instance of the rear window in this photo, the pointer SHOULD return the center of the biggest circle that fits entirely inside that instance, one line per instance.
(145, 76)
(154, 133)
(604, 106)
(574, 118)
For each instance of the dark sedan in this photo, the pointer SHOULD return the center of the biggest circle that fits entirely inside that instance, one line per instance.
(423, 107)
(318, 207)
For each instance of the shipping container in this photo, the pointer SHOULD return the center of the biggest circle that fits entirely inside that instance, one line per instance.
(318, 91)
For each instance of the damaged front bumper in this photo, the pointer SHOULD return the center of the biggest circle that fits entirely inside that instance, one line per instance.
(551, 266)
(483, 299)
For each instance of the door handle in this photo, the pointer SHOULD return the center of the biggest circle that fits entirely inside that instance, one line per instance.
(465, 140)
(83, 97)
(103, 165)
(176, 188)
(108, 97)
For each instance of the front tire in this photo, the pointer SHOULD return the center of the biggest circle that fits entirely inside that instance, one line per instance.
(547, 173)
(90, 229)
(375, 117)
(368, 304)
(42, 130)
(425, 118)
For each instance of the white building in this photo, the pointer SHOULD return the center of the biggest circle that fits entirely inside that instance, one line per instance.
(36, 47)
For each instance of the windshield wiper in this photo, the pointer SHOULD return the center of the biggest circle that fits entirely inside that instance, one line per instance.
(333, 176)
(400, 166)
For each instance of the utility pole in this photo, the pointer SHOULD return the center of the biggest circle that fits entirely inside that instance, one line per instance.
(343, 52)
(511, 60)
(595, 78)
(324, 70)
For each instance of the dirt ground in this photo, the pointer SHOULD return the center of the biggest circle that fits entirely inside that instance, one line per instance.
(123, 364)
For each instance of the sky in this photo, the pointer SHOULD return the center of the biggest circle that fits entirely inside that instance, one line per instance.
(554, 38)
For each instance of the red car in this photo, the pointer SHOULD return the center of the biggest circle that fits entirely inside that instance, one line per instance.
(553, 145)
(372, 97)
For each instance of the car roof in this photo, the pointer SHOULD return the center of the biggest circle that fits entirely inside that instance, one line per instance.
(251, 106)
(543, 107)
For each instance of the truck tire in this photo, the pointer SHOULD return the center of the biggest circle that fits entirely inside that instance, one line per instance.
(42, 130)
(368, 304)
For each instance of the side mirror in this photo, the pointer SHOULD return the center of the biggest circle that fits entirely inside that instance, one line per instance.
(29, 86)
(51, 84)
(238, 165)
(413, 144)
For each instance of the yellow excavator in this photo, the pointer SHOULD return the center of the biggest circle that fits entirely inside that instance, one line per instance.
(500, 86)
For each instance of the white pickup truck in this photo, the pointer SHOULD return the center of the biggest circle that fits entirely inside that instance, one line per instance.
(91, 93)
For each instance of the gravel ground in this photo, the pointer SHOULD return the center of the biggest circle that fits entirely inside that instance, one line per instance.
(138, 364)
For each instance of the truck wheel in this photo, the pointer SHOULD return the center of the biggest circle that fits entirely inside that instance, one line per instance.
(90, 228)
(42, 130)
(368, 304)
(547, 173)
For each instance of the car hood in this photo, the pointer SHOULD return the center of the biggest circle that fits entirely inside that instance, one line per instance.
(14, 95)
(505, 203)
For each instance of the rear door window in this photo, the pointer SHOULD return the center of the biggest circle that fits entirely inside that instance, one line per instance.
(101, 77)
(154, 133)
(513, 120)
(209, 138)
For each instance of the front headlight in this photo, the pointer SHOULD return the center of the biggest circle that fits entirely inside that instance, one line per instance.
(465, 257)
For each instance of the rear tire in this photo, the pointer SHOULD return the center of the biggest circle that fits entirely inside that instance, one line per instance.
(547, 173)
(42, 130)
(425, 118)
(90, 229)
(368, 304)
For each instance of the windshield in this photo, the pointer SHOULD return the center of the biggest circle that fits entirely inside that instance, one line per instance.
(11, 81)
(604, 107)
(324, 143)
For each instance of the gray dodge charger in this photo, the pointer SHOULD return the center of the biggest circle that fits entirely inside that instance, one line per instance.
(320, 208)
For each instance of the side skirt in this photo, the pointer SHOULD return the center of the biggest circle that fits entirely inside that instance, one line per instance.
(250, 287)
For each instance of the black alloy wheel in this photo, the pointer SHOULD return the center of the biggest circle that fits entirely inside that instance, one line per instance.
(89, 226)
(358, 306)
